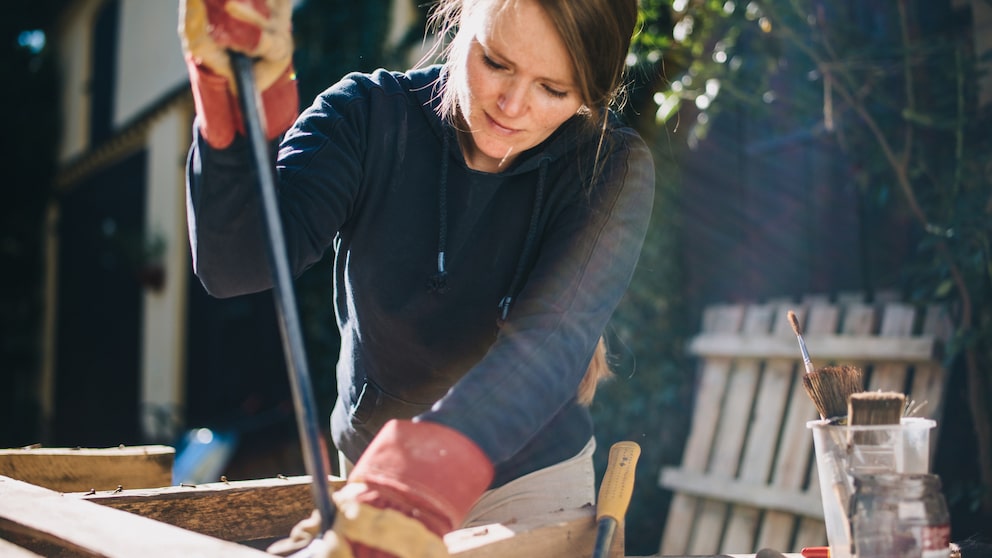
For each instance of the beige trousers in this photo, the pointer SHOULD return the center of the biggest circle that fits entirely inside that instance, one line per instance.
(565, 485)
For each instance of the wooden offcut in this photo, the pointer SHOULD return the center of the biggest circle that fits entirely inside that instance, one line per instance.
(51, 524)
(561, 534)
(83, 469)
(239, 511)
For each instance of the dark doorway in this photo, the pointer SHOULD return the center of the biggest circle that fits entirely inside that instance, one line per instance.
(99, 308)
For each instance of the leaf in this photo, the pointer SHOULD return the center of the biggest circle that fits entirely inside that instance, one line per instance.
(944, 288)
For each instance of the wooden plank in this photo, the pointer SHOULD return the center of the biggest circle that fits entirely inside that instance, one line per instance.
(78, 470)
(47, 522)
(238, 511)
(563, 534)
(930, 380)
(836, 348)
(731, 433)
(11, 550)
(745, 493)
(858, 320)
(897, 322)
(763, 435)
(706, 410)
(794, 457)
(53, 524)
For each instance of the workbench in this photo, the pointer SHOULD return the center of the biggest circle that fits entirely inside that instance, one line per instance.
(121, 502)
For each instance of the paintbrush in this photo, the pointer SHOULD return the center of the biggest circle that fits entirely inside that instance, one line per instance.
(873, 450)
(872, 408)
(829, 386)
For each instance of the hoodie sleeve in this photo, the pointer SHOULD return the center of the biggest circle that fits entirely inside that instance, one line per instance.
(318, 169)
(584, 265)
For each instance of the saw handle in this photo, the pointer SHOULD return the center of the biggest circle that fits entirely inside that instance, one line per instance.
(618, 481)
(614, 494)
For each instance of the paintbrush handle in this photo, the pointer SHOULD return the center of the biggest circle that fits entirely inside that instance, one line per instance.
(806, 360)
(794, 322)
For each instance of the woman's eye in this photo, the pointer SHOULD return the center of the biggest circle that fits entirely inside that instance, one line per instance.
(555, 92)
(492, 63)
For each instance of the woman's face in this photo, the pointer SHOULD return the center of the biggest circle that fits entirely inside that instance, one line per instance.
(519, 85)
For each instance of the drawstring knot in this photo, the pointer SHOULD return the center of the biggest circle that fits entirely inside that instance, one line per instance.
(504, 307)
(438, 283)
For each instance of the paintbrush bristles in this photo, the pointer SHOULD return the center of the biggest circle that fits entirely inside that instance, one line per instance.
(875, 407)
(794, 322)
(831, 386)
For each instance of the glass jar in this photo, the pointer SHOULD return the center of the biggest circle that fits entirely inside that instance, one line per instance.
(899, 516)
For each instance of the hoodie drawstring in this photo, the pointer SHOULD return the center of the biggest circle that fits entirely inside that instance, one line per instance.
(438, 283)
(507, 300)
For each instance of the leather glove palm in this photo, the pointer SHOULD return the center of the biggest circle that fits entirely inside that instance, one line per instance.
(414, 483)
(261, 29)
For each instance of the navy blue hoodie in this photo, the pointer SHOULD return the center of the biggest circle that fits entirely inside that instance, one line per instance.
(467, 298)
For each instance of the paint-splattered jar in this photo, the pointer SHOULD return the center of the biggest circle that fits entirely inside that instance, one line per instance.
(900, 516)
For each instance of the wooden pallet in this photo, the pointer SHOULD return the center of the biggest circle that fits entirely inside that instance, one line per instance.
(747, 479)
(229, 519)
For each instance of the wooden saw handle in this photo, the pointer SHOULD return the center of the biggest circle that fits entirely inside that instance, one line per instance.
(618, 481)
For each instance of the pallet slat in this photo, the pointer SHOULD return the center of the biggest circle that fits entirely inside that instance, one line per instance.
(713, 379)
(78, 470)
(38, 518)
(923, 349)
(759, 454)
(728, 446)
(238, 511)
(795, 454)
(745, 493)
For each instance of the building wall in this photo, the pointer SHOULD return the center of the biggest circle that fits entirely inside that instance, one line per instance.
(150, 60)
(150, 112)
(74, 40)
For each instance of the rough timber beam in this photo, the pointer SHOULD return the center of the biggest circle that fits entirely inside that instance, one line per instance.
(234, 511)
(51, 523)
(77, 470)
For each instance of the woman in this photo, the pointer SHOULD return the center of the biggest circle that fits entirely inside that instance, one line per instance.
(485, 215)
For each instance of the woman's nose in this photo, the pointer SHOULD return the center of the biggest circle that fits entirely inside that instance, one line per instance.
(512, 100)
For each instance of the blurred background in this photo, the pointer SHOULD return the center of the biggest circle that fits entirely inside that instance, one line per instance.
(803, 147)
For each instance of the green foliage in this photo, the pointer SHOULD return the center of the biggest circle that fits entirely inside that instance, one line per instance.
(334, 37)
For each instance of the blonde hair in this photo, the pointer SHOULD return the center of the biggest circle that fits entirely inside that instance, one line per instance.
(596, 33)
(598, 371)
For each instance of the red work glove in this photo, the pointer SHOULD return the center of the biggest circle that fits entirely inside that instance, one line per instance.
(414, 483)
(261, 29)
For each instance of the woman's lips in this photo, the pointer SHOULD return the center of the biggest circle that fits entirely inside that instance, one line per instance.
(499, 128)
